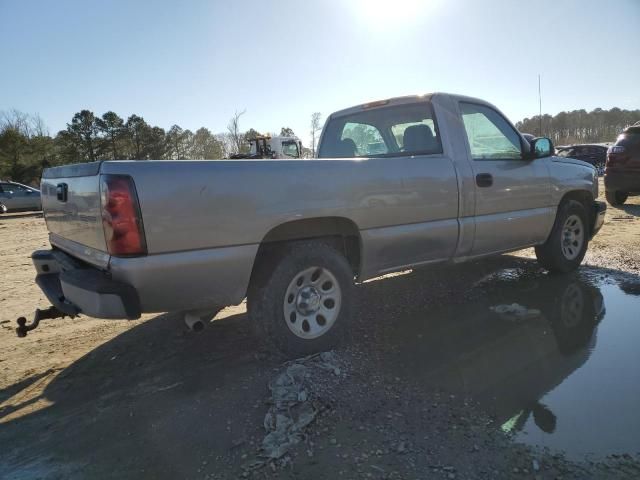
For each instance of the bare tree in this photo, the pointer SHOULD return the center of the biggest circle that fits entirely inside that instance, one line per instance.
(18, 121)
(315, 128)
(225, 141)
(235, 135)
(39, 126)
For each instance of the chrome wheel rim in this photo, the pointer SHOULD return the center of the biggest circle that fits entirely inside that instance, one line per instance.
(312, 302)
(600, 166)
(572, 237)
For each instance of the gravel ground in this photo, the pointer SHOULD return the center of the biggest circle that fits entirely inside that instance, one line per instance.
(146, 399)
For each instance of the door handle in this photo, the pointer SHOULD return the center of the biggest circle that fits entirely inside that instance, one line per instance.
(62, 192)
(484, 179)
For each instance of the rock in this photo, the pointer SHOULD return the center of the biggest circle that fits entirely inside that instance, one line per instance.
(535, 465)
(333, 441)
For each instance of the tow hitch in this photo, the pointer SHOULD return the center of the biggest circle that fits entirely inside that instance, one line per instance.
(51, 312)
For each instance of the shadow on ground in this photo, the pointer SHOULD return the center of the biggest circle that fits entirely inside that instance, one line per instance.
(160, 402)
(631, 209)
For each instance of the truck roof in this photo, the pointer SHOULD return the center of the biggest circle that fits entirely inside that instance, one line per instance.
(407, 99)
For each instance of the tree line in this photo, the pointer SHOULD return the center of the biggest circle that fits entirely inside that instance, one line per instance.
(26, 147)
(580, 126)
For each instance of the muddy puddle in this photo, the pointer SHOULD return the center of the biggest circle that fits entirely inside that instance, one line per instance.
(556, 359)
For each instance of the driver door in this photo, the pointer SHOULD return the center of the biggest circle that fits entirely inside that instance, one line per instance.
(513, 195)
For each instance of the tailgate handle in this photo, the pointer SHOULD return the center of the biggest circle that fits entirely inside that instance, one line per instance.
(62, 192)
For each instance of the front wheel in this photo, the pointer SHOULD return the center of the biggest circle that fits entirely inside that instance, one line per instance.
(566, 246)
(303, 305)
(615, 197)
(3, 208)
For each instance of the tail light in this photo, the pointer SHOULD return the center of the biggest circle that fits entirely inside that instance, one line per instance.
(615, 149)
(616, 155)
(121, 218)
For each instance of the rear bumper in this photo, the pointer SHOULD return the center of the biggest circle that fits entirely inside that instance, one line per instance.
(628, 182)
(599, 212)
(169, 282)
(75, 288)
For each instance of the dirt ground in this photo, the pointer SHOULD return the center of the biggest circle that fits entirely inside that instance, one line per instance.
(87, 398)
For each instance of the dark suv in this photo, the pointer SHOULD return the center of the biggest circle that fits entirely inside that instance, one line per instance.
(594, 154)
(622, 174)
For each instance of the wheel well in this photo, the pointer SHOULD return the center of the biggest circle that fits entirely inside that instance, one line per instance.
(341, 233)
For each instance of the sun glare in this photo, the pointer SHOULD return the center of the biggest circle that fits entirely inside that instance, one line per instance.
(392, 13)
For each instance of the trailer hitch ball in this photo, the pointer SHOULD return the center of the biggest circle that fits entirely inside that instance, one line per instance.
(52, 312)
(21, 331)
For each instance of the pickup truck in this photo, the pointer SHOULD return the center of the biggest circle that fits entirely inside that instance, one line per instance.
(397, 184)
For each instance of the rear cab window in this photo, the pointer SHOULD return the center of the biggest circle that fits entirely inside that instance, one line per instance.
(389, 131)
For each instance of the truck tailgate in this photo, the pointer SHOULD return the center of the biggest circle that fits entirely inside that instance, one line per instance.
(71, 206)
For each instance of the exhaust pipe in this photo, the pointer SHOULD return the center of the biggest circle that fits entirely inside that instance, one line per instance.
(194, 322)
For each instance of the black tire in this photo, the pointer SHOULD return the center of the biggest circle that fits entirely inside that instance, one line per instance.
(3, 208)
(266, 296)
(615, 197)
(551, 255)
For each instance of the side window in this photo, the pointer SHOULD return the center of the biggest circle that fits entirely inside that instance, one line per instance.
(366, 138)
(490, 135)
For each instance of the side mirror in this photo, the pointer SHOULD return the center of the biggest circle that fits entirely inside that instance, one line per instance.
(541, 147)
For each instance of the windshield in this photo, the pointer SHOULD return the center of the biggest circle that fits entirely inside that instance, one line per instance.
(290, 149)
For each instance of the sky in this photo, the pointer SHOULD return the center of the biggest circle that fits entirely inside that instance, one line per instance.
(194, 63)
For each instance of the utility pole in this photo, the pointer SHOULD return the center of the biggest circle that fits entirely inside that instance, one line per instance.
(540, 103)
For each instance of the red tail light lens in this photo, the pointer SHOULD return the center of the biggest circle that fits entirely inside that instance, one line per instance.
(616, 156)
(121, 218)
(617, 149)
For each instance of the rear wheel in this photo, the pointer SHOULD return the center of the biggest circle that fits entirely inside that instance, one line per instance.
(303, 304)
(566, 246)
(615, 197)
(600, 166)
(3, 208)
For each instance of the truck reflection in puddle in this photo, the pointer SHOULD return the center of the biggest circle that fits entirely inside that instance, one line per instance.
(539, 352)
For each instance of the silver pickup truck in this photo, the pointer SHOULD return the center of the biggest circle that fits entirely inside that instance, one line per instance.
(399, 183)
